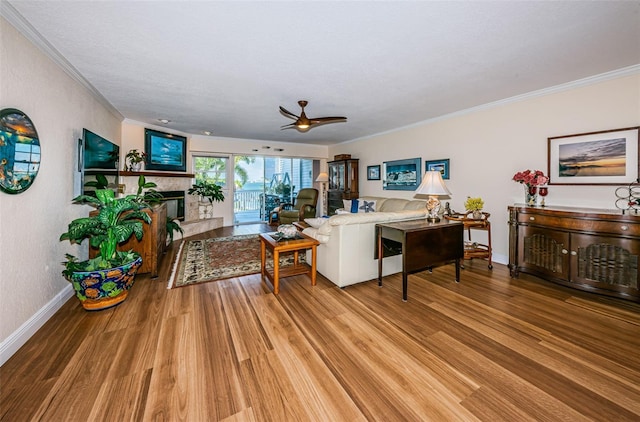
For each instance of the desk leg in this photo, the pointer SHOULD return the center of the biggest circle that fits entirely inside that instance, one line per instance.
(263, 257)
(404, 284)
(276, 271)
(313, 265)
(458, 270)
(405, 275)
(380, 255)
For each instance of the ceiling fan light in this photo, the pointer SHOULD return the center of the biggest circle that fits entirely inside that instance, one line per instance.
(302, 126)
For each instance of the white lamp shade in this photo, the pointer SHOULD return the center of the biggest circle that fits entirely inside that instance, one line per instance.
(322, 177)
(432, 184)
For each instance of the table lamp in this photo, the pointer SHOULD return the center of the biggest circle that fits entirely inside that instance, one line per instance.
(433, 185)
(323, 178)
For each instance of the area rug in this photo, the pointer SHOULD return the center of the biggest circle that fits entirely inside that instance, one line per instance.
(200, 261)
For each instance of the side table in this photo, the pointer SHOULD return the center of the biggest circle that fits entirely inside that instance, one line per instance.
(475, 249)
(300, 243)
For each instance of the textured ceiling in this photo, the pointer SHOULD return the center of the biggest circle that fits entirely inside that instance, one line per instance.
(226, 66)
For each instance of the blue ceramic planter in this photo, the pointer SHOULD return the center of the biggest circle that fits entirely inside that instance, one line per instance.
(103, 289)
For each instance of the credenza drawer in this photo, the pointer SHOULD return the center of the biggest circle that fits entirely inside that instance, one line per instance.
(580, 224)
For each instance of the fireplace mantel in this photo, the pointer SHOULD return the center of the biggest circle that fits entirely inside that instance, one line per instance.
(171, 181)
(157, 174)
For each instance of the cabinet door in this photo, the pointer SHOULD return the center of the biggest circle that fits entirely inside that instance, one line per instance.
(352, 179)
(605, 262)
(544, 252)
(336, 176)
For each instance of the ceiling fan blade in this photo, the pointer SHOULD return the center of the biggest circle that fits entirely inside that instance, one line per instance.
(291, 126)
(335, 119)
(288, 113)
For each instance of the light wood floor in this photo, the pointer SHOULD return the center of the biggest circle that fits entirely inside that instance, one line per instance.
(489, 348)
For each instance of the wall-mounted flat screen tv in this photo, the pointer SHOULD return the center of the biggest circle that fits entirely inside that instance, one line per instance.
(98, 156)
(165, 151)
(98, 152)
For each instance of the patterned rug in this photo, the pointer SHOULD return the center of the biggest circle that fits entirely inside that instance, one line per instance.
(219, 258)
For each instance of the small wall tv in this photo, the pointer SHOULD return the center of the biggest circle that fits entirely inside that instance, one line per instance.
(97, 156)
(98, 152)
(165, 151)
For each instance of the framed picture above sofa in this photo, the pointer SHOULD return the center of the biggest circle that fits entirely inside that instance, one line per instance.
(402, 174)
(373, 172)
(438, 165)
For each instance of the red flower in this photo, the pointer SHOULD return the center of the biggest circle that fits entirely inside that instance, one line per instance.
(531, 178)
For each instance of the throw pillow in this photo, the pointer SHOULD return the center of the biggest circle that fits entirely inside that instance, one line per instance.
(354, 205)
(315, 222)
(367, 206)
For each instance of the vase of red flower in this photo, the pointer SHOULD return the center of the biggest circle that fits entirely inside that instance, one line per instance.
(531, 180)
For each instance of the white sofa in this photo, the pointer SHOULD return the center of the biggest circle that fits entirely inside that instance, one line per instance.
(347, 241)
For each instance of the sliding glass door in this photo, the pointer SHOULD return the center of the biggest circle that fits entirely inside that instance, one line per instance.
(262, 183)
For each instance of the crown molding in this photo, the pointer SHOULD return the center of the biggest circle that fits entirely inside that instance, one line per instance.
(590, 80)
(8, 12)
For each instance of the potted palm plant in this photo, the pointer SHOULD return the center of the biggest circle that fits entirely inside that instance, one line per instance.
(104, 281)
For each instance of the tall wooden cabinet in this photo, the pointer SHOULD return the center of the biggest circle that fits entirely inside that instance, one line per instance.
(343, 182)
(588, 249)
(153, 243)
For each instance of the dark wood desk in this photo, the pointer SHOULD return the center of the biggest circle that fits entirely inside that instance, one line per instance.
(423, 244)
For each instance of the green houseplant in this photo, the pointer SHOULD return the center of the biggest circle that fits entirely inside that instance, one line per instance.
(475, 206)
(104, 281)
(207, 190)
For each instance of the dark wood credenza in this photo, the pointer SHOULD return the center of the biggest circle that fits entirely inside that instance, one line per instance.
(588, 249)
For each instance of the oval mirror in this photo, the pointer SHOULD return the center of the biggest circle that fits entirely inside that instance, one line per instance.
(19, 151)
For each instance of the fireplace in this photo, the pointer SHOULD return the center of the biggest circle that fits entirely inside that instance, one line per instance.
(175, 203)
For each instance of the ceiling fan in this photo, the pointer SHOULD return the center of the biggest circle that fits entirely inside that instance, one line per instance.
(304, 123)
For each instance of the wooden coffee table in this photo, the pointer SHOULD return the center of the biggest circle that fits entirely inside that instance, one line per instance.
(301, 242)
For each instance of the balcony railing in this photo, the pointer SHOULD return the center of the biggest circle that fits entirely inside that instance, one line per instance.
(247, 200)
(249, 205)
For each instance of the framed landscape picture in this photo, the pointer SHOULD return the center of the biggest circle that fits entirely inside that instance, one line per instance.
(438, 165)
(401, 174)
(373, 172)
(608, 157)
(165, 151)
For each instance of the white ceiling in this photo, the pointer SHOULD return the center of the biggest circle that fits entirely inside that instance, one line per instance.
(226, 66)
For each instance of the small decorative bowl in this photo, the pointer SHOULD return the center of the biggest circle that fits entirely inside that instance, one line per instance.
(287, 231)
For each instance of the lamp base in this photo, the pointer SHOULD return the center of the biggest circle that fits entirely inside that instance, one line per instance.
(433, 219)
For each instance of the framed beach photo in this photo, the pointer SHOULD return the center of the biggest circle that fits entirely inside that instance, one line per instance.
(401, 174)
(373, 172)
(438, 165)
(165, 151)
(608, 157)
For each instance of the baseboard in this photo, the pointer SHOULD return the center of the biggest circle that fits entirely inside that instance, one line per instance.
(18, 338)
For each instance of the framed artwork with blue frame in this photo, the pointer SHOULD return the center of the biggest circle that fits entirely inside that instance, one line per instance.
(402, 174)
(373, 172)
(165, 151)
(438, 165)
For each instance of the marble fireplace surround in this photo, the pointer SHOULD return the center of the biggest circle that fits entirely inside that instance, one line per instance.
(168, 181)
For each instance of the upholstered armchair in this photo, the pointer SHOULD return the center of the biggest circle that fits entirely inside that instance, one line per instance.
(303, 207)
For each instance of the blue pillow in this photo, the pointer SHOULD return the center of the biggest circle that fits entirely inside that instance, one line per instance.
(354, 205)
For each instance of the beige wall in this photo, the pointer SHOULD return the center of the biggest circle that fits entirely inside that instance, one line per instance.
(31, 286)
(487, 147)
